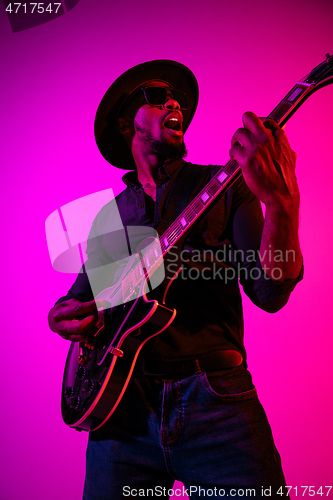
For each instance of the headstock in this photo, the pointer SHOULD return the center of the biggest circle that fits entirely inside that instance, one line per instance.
(321, 73)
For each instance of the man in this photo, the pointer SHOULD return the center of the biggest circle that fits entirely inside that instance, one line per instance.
(191, 412)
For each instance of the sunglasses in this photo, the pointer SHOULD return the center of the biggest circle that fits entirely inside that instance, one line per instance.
(158, 96)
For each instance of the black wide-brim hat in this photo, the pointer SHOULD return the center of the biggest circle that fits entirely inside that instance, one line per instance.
(108, 139)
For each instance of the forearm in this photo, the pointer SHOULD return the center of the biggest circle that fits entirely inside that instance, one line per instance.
(280, 254)
(268, 164)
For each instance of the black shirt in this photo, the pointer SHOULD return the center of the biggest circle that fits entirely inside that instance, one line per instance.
(220, 251)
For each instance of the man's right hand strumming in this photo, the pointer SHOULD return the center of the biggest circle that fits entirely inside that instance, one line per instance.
(74, 320)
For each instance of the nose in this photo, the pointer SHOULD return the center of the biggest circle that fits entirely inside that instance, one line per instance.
(171, 103)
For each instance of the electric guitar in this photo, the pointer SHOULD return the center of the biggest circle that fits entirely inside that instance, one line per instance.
(98, 371)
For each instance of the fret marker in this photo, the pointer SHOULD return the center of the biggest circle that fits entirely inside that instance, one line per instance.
(295, 94)
(204, 197)
(222, 176)
(166, 243)
(183, 221)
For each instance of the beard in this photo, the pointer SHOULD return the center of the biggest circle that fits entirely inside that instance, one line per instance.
(169, 151)
(164, 149)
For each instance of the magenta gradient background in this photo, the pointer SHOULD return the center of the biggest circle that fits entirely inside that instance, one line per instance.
(246, 56)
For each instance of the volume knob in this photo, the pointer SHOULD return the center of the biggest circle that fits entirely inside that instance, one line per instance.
(81, 373)
(75, 402)
(88, 386)
(70, 391)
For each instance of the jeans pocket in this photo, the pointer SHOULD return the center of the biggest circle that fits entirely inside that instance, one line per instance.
(234, 384)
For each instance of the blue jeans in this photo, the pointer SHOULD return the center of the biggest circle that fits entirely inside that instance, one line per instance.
(208, 431)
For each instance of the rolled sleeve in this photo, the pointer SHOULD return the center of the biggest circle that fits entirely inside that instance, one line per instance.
(247, 225)
(266, 289)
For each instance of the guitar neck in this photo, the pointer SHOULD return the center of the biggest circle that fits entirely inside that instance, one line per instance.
(230, 172)
(319, 77)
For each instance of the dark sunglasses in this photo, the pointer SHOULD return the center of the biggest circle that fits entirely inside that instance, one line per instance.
(158, 96)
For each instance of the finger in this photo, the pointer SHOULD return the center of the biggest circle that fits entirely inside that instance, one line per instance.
(277, 131)
(76, 337)
(75, 309)
(237, 153)
(76, 327)
(272, 125)
(241, 137)
(260, 126)
(265, 119)
(256, 124)
(253, 123)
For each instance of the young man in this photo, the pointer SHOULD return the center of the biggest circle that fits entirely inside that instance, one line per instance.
(190, 412)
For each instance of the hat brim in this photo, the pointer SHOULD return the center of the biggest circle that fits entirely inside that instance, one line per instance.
(108, 139)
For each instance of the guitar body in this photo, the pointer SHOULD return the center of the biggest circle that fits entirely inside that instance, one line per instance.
(98, 371)
(95, 381)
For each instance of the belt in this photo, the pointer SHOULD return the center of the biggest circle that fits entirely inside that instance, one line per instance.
(213, 361)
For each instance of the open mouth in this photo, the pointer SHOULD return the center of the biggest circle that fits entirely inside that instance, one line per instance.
(173, 123)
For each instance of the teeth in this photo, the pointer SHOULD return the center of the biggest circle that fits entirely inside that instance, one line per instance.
(175, 121)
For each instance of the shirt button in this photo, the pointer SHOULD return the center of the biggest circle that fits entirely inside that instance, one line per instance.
(140, 206)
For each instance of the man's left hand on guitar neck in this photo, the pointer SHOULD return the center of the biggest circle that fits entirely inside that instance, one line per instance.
(268, 164)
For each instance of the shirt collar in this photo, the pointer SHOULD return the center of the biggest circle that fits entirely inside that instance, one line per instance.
(166, 171)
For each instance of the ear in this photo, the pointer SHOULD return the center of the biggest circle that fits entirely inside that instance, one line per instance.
(125, 125)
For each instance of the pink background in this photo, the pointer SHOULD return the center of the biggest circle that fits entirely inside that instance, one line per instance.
(246, 55)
